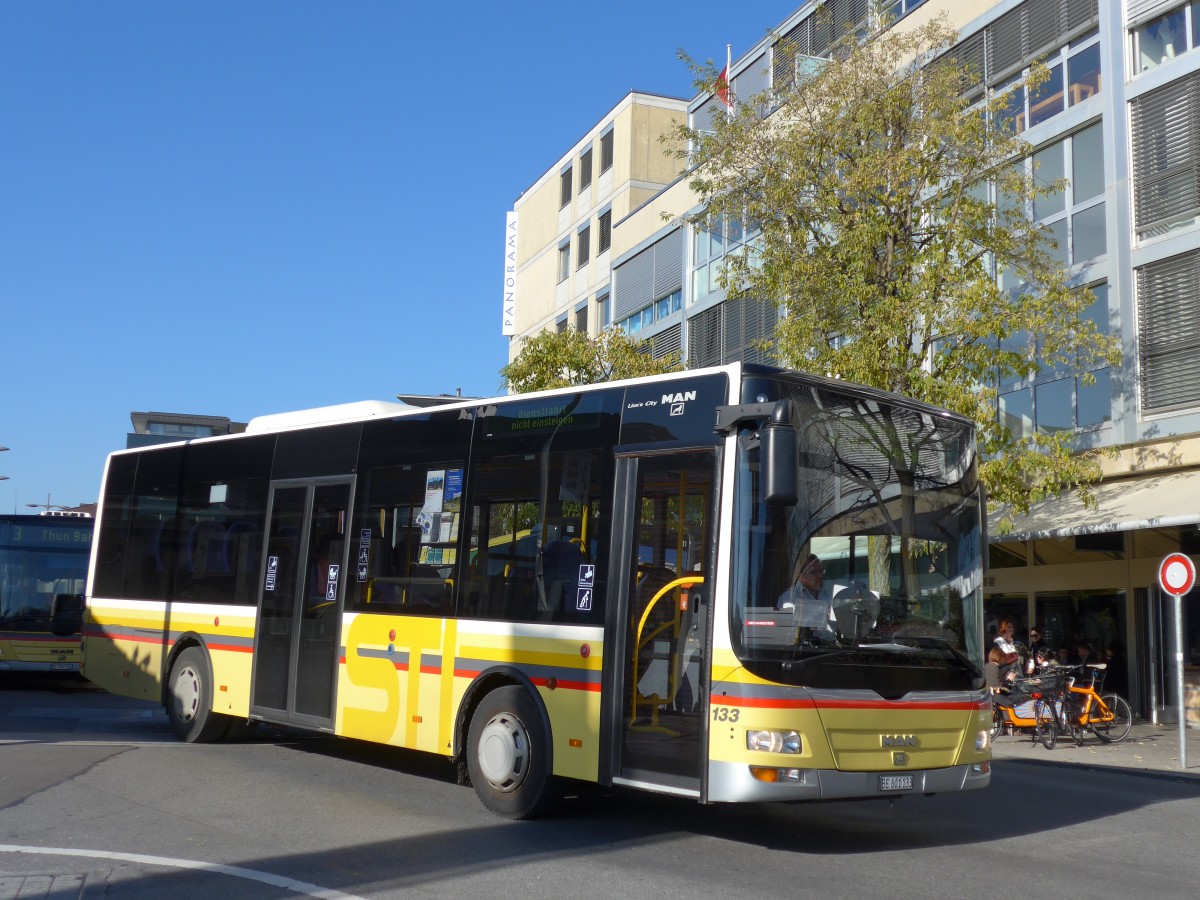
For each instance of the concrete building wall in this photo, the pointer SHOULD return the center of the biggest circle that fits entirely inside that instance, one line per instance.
(639, 171)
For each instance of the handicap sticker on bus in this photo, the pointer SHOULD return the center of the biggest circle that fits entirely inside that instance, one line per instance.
(272, 569)
(331, 588)
(583, 602)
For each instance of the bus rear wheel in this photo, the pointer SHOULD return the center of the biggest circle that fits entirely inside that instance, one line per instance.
(508, 755)
(189, 699)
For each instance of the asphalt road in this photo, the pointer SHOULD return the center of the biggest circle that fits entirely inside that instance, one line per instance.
(97, 800)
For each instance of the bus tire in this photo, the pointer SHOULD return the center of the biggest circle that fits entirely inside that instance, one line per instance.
(189, 699)
(508, 755)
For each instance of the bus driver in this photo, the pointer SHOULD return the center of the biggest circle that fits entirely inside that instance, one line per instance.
(808, 599)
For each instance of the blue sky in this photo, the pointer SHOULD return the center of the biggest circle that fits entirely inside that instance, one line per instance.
(238, 208)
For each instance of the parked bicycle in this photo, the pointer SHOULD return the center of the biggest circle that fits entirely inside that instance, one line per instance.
(1084, 708)
(1032, 705)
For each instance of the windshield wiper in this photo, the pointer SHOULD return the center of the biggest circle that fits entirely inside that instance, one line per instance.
(920, 642)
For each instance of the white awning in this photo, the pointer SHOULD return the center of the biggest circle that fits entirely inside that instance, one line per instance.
(1149, 501)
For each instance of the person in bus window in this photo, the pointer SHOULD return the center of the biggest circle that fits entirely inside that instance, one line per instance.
(809, 601)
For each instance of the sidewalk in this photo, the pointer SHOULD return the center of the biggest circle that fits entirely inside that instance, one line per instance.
(1148, 748)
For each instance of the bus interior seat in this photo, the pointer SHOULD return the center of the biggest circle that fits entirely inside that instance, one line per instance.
(561, 560)
(427, 591)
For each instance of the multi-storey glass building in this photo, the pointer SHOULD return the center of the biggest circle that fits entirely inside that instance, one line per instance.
(1119, 120)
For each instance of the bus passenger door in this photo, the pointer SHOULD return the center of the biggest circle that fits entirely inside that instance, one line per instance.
(296, 647)
(662, 539)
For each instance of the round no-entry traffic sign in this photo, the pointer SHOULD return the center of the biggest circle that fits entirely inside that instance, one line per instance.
(1177, 574)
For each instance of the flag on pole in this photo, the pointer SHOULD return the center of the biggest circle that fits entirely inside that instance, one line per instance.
(723, 82)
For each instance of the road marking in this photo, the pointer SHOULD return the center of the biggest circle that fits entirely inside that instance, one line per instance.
(299, 887)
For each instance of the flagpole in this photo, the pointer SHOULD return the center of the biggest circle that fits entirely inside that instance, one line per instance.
(729, 80)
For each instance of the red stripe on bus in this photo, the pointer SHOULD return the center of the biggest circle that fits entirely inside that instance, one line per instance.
(142, 639)
(773, 703)
(568, 685)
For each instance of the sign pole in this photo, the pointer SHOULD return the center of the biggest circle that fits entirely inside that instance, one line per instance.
(1179, 681)
(1177, 576)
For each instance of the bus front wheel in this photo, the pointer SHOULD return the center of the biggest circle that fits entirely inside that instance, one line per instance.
(508, 755)
(189, 699)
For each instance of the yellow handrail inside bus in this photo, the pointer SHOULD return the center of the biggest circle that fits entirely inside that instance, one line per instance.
(641, 640)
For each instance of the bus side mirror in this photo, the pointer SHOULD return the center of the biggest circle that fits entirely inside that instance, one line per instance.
(66, 614)
(779, 456)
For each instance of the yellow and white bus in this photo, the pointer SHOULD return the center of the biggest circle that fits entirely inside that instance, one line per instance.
(574, 584)
(43, 571)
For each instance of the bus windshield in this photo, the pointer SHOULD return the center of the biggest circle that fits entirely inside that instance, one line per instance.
(872, 579)
(40, 557)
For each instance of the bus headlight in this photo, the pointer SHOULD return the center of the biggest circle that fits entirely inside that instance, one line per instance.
(982, 740)
(774, 741)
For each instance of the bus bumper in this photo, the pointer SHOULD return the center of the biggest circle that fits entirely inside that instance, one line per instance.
(16, 665)
(735, 783)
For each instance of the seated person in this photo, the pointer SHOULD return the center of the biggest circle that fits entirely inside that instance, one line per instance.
(1000, 681)
(809, 601)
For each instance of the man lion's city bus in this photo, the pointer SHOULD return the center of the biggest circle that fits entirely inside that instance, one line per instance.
(574, 584)
(43, 572)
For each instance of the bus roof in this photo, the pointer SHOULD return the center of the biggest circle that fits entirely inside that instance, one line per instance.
(327, 415)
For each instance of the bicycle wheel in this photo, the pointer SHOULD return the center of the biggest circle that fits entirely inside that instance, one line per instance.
(997, 722)
(1068, 719)
(1046, 730)
(1117, 728)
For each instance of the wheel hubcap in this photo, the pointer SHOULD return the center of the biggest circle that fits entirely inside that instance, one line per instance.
(504, 752)
(187, 694)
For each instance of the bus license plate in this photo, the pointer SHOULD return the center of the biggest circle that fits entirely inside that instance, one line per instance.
(61, 667)
(895, 782)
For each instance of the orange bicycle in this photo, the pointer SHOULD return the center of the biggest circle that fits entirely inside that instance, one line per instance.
(1084, 708)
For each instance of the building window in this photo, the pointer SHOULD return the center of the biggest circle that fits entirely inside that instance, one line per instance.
(656, 312)
(710, 244)
(603, 311)
(1074, 215)
(1074, 77)
(1059, 398)
(899, 8)
(175, 428)
(581, 319)
(1166, 176)
(561, 325)
(564, 262)
(643, 318)
(564, 188)
(605, 229)
(664, 306)
(1168, 291)
(585, 168)
(1163, 38)
(583, 248)
(606, 151)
